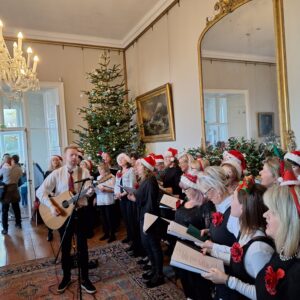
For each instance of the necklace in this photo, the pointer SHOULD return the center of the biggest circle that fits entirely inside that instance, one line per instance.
(286, 258)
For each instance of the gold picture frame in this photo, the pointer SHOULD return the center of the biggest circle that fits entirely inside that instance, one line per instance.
(265, 123)
(224, 7)
(155, 115)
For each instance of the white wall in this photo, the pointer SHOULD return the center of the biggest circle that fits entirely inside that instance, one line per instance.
(259, 80)
(70, 64)
(292, 25)
(168, 53)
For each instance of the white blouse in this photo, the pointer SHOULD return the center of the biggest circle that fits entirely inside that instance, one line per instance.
(257, 255)
(105, 198)
(128, 180)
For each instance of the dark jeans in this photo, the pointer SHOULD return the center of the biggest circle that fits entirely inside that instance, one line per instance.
(108, 218)
(17, 212)
(77, 228)
(151, 244)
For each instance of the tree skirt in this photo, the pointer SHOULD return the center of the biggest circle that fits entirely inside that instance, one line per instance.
(117, 277)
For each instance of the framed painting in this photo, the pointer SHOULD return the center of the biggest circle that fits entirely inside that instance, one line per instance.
(265, 123)
(155, 115)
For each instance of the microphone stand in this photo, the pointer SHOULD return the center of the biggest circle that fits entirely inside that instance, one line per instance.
(77, 252)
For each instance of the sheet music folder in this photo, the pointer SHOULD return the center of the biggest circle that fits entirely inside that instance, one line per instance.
(187, 258)
(170, 202)
(127, 189)
(153, 222)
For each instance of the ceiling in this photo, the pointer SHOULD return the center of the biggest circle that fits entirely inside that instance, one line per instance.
(104, 22)
(247, 33)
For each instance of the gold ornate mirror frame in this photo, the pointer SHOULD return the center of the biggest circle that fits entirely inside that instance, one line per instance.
(222, 9)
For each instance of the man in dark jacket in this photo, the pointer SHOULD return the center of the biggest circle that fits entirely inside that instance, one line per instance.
(10, 177)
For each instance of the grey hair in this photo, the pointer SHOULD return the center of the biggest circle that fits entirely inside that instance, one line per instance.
(214, 177)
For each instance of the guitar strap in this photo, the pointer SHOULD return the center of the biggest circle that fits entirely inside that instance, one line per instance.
(79, 177)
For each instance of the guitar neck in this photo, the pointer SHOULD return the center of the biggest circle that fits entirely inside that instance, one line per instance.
(75, 197)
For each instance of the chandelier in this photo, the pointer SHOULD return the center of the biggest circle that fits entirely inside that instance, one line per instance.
(17, 74)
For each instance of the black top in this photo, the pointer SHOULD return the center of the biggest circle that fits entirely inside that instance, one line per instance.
(220, 234)
(198, 216)
(238, 269)
(172, 179)
(147, 197)
(288, 287)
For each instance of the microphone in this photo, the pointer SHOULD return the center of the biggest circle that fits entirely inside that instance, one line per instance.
(84, 179)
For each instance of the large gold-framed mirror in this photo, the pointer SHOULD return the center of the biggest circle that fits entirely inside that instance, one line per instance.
(242, 72)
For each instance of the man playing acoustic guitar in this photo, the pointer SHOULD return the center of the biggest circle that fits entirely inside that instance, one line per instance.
(62, 180)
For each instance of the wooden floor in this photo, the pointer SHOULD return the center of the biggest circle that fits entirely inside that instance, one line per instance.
(30, 242)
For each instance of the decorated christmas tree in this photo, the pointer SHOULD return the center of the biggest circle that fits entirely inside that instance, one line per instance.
(109, 116)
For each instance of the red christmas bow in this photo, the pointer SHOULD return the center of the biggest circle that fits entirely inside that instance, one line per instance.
(217, 218)
(119, 174)
(178, 203)
(246, 183)
(236, 252)
(136, 185)
(272, 278)
(192, 178)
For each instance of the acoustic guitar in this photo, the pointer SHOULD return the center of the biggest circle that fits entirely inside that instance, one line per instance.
(65, 203)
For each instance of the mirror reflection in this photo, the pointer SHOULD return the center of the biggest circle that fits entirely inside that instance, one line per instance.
(239, 75)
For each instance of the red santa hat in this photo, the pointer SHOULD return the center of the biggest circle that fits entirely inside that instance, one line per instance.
(148, 162)
(294, 157)
(236, 159)
(125, 156)
(151, 154)
(171, 152)
(100, 153)
(89, 164)
(190, 180)
(159, 158)
(58, 157)
(288, 178)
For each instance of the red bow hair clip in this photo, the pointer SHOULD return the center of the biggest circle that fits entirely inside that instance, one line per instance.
(246, 184)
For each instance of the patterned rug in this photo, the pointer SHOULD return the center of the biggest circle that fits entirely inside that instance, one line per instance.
(117, 277)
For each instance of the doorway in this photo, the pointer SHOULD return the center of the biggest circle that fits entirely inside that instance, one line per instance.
(34, 128)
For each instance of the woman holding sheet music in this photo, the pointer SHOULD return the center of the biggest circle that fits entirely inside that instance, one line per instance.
(105, 201)
(146, 198)
(196, 211)
(214, 185)
(253, 249)
(125, 177)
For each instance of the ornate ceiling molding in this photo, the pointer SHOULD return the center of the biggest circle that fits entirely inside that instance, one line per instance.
(224, 7)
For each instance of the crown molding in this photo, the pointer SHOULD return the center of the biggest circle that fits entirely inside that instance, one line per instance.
(150, 17)
(64, 38)
(237, 56)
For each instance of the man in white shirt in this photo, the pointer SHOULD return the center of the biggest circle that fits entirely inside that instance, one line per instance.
(62, 180)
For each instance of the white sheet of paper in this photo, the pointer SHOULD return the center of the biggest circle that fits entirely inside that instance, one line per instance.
(169, 201)
(189, 259)
(181, 232)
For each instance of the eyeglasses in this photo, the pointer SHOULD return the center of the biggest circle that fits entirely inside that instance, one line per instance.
(205, 194)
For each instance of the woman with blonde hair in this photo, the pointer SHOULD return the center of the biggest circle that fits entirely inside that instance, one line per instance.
(213, 185)
(279, 279)
(271, 171)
